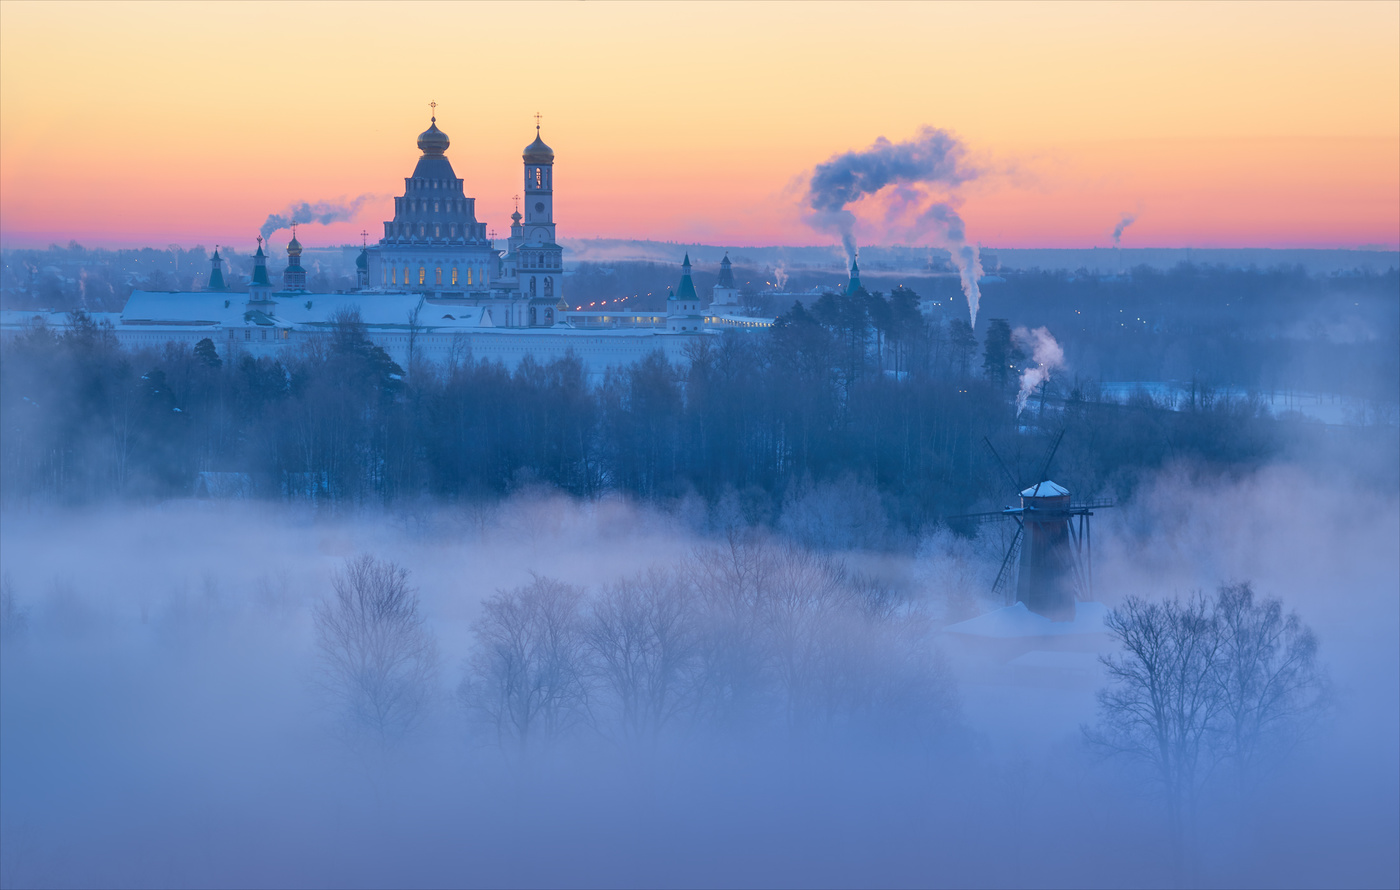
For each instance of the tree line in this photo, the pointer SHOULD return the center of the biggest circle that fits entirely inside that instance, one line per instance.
(859, 397)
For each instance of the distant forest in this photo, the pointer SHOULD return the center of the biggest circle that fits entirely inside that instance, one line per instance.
(856, 421)
(1251, 329)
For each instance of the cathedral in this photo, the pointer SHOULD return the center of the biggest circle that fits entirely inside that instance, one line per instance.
(435, 245)
(436, 287)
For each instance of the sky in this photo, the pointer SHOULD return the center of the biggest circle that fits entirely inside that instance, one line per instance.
(1216, 125)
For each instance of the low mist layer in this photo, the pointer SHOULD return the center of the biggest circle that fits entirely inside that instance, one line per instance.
(166, 720)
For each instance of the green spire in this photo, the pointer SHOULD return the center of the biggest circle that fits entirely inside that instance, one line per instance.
(855, 285)
(260, 266)
(687, 288)
(216, 277)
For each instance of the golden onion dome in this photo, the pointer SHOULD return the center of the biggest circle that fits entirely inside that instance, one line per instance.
(537, 152)
(433, 141)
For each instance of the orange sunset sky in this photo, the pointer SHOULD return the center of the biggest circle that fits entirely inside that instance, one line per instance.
(1251, 124)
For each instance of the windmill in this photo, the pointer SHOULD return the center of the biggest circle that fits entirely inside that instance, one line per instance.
(1050, 553)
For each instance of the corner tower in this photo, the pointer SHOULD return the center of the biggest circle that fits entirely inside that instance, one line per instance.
(216, 274)
(260, 287)
(725, 299)
(683, 306)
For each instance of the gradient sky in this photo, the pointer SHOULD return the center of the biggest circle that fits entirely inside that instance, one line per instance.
(1252, 124)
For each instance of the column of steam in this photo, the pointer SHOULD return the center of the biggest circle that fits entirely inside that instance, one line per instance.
(934, 160)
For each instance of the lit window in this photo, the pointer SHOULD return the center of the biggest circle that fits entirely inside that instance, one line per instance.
(539, 177)
(395, 276)
(437, 231)
(454, 276)
(435, 206)
(422, 275)
(469, 276)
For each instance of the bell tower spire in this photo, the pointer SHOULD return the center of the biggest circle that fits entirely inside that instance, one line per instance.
(539, 259)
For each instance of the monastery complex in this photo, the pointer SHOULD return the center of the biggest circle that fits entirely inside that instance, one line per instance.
(435, 286)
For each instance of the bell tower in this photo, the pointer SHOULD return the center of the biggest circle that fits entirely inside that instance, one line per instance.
(539, 190)
(539, 258)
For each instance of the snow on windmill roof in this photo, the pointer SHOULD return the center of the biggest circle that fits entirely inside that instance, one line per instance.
(1046, 489)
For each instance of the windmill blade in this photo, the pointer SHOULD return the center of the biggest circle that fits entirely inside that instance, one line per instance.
(1004, 573)
(1001, 463)
(1045, 470)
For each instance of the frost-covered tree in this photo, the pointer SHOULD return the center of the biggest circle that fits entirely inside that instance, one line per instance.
(642, 636)
(526, 681)
(1202, 683)
(379, 660)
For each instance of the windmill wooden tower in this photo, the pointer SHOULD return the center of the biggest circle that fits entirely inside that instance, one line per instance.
(1050, 553)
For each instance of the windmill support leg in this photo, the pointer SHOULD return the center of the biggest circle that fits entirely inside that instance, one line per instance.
(1089, 554)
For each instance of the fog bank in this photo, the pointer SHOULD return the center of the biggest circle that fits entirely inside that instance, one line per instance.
(162, 727)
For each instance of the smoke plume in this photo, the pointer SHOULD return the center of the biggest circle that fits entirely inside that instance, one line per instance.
(967, 258)
(931, 164)
(780, 276)
(1124, 221)
(321, 212)
(1045, 353)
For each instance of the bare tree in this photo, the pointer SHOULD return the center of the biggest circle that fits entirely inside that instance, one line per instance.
(1271, 686)
(643, 637)
(1203, 682)
(378, 657)
(730, 585)
(526, 680)
(1163, 699)
(808, 609)
(786, 635)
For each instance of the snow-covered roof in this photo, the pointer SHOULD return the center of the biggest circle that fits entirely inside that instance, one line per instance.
(1046, 489)
(23, 318)
(1018, 621)
(377, 310)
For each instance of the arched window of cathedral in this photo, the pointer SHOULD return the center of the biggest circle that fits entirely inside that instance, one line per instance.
(532, 290)
(394, 274)
(549, 285)
(437, 231)
(454, 276)
(532, 315)
(438, 280)
(422, 275)
(435, 206)
(469, 275)
(539, 177)
(422, 230)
